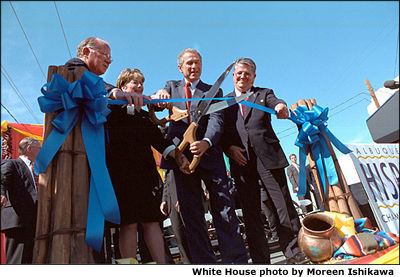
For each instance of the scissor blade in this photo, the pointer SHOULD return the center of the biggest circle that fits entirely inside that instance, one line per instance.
(211, 93)
(226, 103)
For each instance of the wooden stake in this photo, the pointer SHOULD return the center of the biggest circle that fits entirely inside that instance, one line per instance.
(61, 212)
(371, 91)
(44, 193)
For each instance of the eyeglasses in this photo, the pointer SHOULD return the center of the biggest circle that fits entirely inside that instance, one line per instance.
(107, 56)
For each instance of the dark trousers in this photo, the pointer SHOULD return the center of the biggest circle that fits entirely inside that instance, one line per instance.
(275, 184)
(19, 245)
(177, 223)
(267, 209)
(189, 194)
(180, 235)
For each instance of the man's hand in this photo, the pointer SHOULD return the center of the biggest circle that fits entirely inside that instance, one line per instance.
(199, 147)
(281, 111)
(164, 208)
(185, 166)
(235, 152)
(3, 202)
(161, 94)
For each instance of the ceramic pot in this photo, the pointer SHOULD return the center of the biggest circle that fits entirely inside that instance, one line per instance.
(318, 238)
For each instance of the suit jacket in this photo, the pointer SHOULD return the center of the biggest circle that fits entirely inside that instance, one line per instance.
(209, 126)
(255, 129)
(293, 176)
(19, 187)
(76, 62)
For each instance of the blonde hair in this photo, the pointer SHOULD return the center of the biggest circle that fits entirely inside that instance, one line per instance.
(128, 75)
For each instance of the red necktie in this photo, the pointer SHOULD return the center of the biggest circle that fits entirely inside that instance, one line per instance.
(188, 95)
(243, 107)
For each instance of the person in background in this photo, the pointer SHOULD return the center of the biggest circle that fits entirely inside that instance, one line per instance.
(313, 187)
(18, 194)
(170, 207)
(293, 174)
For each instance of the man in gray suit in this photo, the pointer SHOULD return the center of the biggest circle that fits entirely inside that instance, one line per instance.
(18, 194)
(211, 170)
(293, 174)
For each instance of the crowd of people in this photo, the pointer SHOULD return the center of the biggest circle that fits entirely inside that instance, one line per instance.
(244, 134)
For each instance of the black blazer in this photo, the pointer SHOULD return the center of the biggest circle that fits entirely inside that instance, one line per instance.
(255, 128)
(210, 126)
(18, 186)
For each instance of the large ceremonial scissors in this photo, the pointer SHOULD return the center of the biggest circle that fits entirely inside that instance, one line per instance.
(205, 108)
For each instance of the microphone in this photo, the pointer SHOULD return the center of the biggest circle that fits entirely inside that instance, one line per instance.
(391, 84)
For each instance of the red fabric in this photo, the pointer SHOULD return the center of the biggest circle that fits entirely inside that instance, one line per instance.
(16, 136)
(188, 95)
(369, 258)
(3, 248)
(243, 108)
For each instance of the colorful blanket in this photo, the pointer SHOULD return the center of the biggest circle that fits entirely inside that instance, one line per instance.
(366, 240)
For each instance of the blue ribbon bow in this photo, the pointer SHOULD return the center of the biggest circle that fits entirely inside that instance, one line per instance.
(313, 124)
(86, 97)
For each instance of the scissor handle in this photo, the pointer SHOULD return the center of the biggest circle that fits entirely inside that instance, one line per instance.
(175, 114)
(188, 137)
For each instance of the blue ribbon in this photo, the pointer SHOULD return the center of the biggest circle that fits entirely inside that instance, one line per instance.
(171, 100)
(313, 124)
(86, 97)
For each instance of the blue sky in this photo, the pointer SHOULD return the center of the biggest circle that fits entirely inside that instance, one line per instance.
(322, 50)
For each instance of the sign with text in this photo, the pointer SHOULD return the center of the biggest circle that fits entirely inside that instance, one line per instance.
(378, 168)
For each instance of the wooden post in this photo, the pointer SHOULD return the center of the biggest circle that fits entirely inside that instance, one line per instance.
(336, 200)
(63, 195)
(371, 91)
(312, 164)
(44, 194)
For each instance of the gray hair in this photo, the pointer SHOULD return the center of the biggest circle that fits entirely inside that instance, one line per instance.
(247, 61)
(90, 42)
(24, 143)
(187, 50)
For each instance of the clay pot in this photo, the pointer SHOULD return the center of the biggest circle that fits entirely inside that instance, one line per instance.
(318, 238)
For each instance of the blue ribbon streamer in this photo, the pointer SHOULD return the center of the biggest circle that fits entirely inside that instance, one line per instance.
(313, 124)
(171, 100)
(86, 97)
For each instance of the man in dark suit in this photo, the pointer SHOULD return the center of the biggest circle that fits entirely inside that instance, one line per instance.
(255, 153)
(211, 170)
(293, 174)
(18, 194)
(313, 186)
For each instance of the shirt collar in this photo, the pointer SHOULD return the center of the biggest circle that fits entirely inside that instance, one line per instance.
(194, 84)
(238, 93)
(26, 161)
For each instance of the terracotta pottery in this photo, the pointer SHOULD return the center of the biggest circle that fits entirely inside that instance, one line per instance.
(318, 238)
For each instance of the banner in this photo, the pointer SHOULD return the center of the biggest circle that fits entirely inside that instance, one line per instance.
(378, 168)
